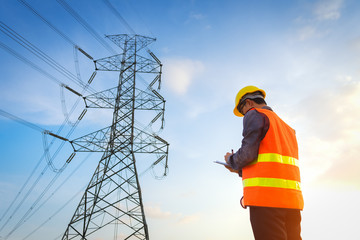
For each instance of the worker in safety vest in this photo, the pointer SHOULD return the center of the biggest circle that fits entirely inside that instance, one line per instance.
(268, 163)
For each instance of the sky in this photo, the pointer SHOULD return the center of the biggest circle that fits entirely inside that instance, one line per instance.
(304, 54)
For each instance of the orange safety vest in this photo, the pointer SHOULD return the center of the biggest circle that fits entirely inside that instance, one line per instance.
(273, 179)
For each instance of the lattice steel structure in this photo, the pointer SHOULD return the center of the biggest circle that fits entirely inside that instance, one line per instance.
(112, 202)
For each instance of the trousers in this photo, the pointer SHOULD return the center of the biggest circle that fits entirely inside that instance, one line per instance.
(275, 223)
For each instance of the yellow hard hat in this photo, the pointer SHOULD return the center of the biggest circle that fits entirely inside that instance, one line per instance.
(242, 93)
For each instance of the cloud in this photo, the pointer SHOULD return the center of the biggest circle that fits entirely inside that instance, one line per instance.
(38, 107)
(344, 171)
(324, 10)
(355, 44)
(180, 73)
(328, 9)
(333, 112)
(196, 16)
(190, 219)
(156, 212)
(306, 33)
(330, 142)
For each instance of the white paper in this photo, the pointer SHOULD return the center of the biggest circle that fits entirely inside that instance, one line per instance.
(222, 163)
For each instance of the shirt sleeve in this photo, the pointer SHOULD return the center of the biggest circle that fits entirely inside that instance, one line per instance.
(256, 125)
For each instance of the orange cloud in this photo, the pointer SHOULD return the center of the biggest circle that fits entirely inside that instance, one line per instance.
(330, 142)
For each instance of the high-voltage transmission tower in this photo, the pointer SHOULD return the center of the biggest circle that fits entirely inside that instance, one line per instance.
(112, 205)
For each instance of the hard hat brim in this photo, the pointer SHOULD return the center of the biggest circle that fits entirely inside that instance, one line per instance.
(237, 113)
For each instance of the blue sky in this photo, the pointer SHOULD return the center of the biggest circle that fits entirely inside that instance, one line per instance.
(304, 54)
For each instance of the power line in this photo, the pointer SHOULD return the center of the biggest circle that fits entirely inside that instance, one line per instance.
(53, 63)
(139, 16)
(25, 216)
(19, 193)
(28, 62)
(88, 28)
(118, 15)
(45, 73)
(26, 123)
(22, 220)
(60, 186)
(40, 54)
(57, 212)
(63, 35)
(20, 120)
(26, 196)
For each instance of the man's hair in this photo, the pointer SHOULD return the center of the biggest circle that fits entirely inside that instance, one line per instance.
(255, 97)
(259, 100)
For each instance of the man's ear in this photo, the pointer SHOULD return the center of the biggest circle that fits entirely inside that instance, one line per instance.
(251, 103)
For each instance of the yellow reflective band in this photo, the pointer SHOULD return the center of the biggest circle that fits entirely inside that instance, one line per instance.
(274, 157)
(272, 182)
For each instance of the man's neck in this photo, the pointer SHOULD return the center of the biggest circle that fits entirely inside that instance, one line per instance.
(259, 105)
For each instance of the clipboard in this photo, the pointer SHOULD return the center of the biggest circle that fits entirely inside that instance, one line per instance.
(222, 163)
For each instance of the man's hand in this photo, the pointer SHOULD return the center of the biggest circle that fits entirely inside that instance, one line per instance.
(227, 157)
(227, 160)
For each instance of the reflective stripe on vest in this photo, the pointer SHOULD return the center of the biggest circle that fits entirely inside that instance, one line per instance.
(274, 157)
(271, 182)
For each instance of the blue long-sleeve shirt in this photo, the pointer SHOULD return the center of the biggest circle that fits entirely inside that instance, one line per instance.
(256, 125)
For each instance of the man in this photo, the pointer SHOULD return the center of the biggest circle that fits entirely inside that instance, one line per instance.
(267, 161)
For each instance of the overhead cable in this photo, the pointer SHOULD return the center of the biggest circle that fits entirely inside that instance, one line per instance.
(79, 19)
(57, 212)
(40, 54)
(25, 197)
(31, 64)
(118, 15)
(63, 35)
(20, 120)
(21, 221)
(60, 186)
(49, 161)
(20, 192)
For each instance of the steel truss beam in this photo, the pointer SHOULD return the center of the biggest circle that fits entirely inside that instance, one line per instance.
(113, 198)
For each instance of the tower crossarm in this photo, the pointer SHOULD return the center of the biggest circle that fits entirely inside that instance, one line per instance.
(141, 41)
(146, 65)
(149, 99)
(103, 99)
(117, 63)
(98, 141)
(149, 143)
